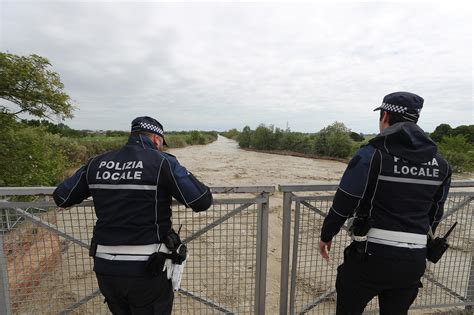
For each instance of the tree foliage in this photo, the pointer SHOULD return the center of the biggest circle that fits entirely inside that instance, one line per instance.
(245, 137)
(445, 130)
(231, 134)
(263, 138)
(458, 151)
(358, 137)
(334, 140)
(29, 159)
(440, 132)
(28, 82)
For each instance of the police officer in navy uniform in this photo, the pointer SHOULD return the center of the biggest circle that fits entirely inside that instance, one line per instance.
(132, 189)
(393, 192)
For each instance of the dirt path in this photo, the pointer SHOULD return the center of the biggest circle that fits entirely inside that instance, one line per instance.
(222, 163)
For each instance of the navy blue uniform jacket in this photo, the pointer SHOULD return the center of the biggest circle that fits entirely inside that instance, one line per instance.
(132, 190)
(398, 178)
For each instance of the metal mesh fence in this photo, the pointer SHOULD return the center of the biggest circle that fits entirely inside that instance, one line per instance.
(445, 284)
(220, 273)
(47, 268)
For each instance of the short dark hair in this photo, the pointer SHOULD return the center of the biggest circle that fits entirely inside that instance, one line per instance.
(394, 118)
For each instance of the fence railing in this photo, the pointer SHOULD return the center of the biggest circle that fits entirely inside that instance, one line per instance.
(45, 267)
(310, 283)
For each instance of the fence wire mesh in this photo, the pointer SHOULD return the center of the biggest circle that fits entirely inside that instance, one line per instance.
(47, 268)
(446, 284)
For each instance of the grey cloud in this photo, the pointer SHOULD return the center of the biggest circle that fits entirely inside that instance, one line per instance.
(219, 66)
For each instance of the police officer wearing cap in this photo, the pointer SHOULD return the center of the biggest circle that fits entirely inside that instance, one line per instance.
(132, 189)
(392, 192)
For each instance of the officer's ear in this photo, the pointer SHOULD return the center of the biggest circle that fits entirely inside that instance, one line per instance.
(157, 141)
(384, 120)
(384, 117)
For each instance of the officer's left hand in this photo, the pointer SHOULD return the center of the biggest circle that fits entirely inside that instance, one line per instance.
(168, 268)
(324, 249)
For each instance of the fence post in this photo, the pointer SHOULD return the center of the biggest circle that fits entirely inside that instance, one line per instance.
(285, 252)
(470, 286)
(262, 250)
(4, 290)
(294, 261)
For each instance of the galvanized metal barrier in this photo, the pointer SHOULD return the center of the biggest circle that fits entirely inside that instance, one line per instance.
(45, 267)
(310, 285)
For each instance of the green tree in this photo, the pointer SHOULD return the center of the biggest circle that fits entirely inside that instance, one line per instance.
(262, 138)
(441, 131)
(231, 134)
(296, 142)
(466, 131)
(28, 158)
(458, 151)
(357, 137)
(245, 137)
(334, 140)
(28, 82)
(196, 137)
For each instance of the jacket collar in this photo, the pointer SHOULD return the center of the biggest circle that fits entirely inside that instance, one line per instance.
(406, 140)
(141, 140)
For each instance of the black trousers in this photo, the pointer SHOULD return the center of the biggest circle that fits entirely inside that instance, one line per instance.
(391, 273)
(137, 295)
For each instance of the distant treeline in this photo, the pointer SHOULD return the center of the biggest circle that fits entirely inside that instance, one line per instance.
(335, 140)
(175, 139)
(40, 153)
(338, 141)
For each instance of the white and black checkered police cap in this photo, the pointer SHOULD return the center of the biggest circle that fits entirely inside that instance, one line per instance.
(407, 104)
(148, 124)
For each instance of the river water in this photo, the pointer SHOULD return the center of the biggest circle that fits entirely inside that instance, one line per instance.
(223, 163)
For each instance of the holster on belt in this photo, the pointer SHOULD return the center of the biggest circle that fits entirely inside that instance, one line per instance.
(177, 248)
(155, 263)
(437, 247)
(177, 254)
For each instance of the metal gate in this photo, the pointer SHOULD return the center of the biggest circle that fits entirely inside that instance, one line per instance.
(309, 285)
(45, 267)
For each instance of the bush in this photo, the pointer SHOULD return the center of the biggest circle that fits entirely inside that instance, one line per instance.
(440, 132)
(466, 131)
(231, 134)
(263, 139)
(28, 157)
(334, 141)
(195, 137)
(176, 141)
(100, 144)
(357, 137)
(296, 142)
(458, 151)
(245, 137)
(30, 154)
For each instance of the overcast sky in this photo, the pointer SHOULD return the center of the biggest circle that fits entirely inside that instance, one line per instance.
(216, 66)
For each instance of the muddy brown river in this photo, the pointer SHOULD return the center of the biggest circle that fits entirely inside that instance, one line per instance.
(222, 163)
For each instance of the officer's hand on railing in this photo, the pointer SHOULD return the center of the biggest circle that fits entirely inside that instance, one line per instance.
(324, 249)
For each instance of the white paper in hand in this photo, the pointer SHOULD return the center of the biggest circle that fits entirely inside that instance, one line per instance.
(177, 275)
